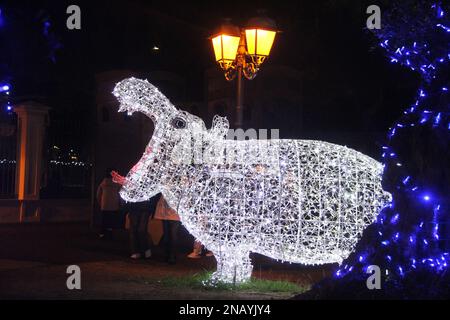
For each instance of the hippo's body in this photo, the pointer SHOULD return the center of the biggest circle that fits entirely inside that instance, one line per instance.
(300, 201)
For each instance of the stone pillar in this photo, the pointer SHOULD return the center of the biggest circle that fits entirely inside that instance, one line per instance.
(32, 118)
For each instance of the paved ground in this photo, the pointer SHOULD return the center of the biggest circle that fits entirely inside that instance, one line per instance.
(34, 258)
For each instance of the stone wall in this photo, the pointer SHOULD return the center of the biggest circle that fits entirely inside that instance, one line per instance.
(58, 210)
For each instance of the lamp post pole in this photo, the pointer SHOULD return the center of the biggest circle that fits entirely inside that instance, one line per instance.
(240, 59)
(239, 99)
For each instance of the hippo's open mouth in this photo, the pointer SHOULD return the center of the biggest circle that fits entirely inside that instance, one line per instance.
(126, 107)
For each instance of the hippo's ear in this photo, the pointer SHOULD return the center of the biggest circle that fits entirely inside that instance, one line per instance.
(220, 126)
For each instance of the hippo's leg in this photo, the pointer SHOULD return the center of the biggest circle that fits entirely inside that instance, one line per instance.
(233, 265)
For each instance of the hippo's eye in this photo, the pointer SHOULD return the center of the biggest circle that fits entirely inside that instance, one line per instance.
(179, 123)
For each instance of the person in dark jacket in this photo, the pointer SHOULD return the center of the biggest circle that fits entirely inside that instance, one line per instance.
(139, 214)
(171, 224)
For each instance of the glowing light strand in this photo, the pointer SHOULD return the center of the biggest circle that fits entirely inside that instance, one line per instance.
(294, 200)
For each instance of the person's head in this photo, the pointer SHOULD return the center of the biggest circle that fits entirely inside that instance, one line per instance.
(108, 172)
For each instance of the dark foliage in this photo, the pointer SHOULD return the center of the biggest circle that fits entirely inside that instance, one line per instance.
(410, 239)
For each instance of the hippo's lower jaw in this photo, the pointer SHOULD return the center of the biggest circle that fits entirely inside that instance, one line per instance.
(130, 196)
(124, 195)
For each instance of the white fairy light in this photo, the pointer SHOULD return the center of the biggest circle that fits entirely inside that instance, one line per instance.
(300, 201)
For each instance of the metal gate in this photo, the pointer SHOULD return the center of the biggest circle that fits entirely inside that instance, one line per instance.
(8, 141)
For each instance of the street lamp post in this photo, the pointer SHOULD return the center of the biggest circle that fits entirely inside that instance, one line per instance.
(241, 52)
(240, 61)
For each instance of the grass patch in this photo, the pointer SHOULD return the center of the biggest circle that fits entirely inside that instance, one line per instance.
(200, 281)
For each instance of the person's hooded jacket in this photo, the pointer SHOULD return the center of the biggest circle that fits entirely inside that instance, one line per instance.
(108, 195)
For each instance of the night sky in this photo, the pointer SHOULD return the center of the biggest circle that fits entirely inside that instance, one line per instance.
(349, 86)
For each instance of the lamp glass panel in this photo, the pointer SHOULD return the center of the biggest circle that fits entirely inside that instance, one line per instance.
(217, 45)
(230, 46)
(263, 44)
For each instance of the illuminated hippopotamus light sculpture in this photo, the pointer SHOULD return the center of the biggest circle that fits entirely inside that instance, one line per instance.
(301, 201)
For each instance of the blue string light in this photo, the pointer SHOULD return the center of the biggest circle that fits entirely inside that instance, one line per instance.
(429, 57)
(1, 17)
(5, 89)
